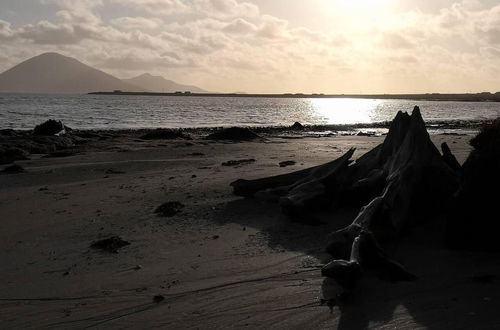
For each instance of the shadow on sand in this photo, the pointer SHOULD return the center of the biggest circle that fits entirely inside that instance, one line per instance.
(454, 290)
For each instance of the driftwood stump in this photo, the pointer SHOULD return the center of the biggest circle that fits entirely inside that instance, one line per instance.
(401, 182)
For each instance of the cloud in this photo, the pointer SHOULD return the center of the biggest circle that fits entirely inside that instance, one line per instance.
(231, 45)
(136, 23)
(395, 40)
(273, 28)
(240, 26)
(226, 8)
(157, 7)
(45, 32)
(5, 30)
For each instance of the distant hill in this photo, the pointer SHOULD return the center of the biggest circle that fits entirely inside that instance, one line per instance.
(55, 73)
(161, 85)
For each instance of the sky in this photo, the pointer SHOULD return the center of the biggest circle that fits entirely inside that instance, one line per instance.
(269, 46)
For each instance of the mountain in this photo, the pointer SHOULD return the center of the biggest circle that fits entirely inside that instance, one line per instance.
(160, 84)
(55, 73)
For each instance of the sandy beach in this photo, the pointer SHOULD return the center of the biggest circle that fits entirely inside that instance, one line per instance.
(223, 261)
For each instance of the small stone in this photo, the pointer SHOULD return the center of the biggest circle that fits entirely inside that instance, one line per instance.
(239, 162)
(287, 163)
(112, 244)
(169, 209)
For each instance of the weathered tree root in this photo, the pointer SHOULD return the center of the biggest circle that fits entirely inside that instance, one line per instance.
(401, 182)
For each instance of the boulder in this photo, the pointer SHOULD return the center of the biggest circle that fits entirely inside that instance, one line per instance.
(297, 126)
(49, 128)
(165, 134)
(234, 134)
(11, 154)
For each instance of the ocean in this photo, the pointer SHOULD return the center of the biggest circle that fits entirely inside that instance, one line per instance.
(18, 111)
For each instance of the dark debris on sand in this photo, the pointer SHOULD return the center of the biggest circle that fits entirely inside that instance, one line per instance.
(111, 244)
(234, 134)
(169, 209)
(287, 163)
(239, 162)
(114, 171)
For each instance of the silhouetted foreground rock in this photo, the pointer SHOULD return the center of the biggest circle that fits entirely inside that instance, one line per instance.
(50, 127)
(402, 182)
(474, 220)
(234, 134)
(165, 134)
(112, 244)
(169, 209)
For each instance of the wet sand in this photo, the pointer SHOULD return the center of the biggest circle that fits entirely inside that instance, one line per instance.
(223, 262)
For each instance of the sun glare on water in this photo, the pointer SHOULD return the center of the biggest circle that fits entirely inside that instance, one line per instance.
(345, 111)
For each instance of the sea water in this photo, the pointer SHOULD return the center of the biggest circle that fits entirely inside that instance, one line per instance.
(19, 111)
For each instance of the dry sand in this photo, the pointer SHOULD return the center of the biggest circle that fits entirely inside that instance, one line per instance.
(224, 262)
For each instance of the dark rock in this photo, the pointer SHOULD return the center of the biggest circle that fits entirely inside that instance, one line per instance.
(169, 209)
(8, 132)
(473, 218)
(297, 126)
(287, 163)
(113, 171)
(49, 128)
(87, 135)
(112, 244)
(158, 299)
(365, 134)
(237, 163)
(11, 154)
(62, 153)
(234, 134)
(165, 134)
(484, 279)
(13, 169)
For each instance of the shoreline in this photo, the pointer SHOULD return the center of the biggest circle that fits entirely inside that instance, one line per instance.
(432, 125)
(452, 97)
